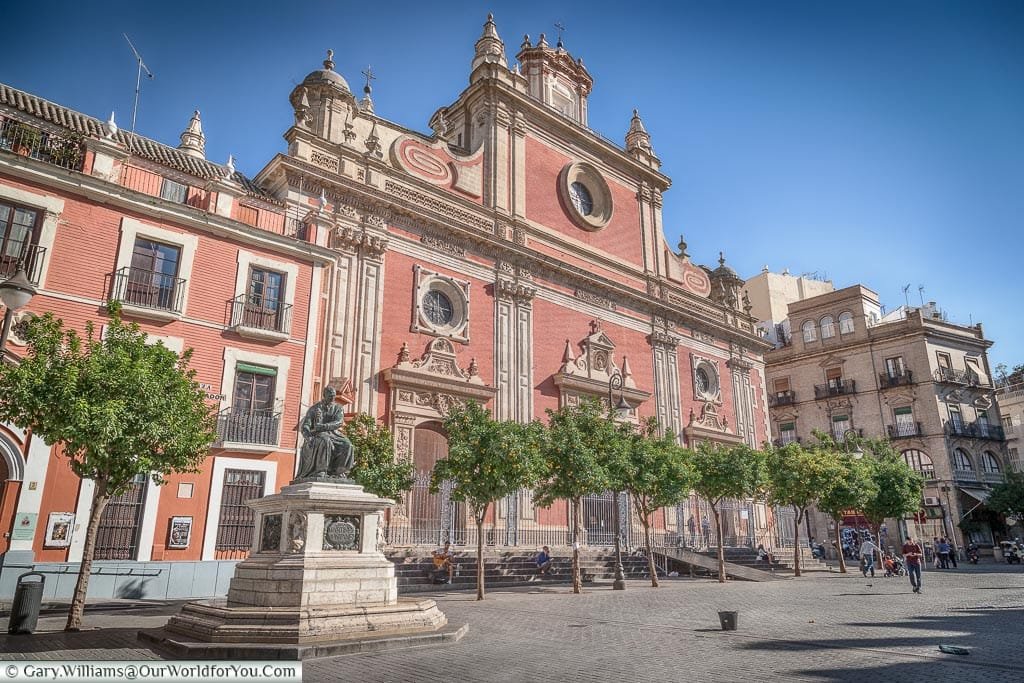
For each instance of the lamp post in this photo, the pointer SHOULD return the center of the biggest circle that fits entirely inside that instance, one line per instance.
(620, 409)
(15, 293)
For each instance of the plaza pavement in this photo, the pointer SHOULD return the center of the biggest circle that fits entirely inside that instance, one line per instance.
(821, 627)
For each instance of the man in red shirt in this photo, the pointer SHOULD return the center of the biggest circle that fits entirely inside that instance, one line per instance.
(913, 555)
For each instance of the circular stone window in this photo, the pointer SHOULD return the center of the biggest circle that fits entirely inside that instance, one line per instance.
(443, 307)
(585, 195)
(705, 381)
(438, 307)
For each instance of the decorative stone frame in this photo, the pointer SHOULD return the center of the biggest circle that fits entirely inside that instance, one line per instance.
(220, 464)
(246, 261)
(457, 292)
(710, 367)
(232, 357)
(590, 177)
(188, 243)
(51, 208)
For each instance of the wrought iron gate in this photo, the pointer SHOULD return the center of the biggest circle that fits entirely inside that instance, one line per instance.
(118, 535)
(430, 518)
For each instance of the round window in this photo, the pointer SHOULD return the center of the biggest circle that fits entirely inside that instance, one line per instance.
(438, 307)
(581, 199)
(703, 381)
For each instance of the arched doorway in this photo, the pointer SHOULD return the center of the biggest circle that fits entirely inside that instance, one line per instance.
(433, 517)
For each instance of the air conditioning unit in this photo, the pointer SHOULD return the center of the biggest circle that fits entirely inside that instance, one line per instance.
(931, 501)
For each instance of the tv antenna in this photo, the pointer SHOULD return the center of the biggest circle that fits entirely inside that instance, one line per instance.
(138, 77)
(906, 295)
(920, 293)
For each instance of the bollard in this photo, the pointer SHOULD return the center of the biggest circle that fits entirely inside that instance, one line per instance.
(729, 620)
(28, 598)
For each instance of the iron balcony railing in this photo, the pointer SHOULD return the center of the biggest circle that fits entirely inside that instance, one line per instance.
(965, 475)
(31, 260)
(904, 430)
(149, 289)
(927, 472)
(992, 477)
(976, 430)
(260, 427)
(258, 312)
(783, 440)
(835, 387)
(886, 381)
(954, 376)
(782, 398)
(33, 142)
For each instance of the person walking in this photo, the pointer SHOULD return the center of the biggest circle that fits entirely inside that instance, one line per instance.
(867, 557)
(913, 555)
(942, 549)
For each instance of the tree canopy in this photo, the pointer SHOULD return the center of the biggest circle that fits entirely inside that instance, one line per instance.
(897, 486)
(375, 467)
(1007, 497)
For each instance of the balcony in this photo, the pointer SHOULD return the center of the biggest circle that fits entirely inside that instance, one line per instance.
(904, 430)
(887, 381)
(255, 317)
(976, 430)
(32, 142)
(992, 477)
(787, 439)
(965, 475)
(257, 428)
(926, 472)
(837, 387)
(31, 260)
(782, 398)
(149, 294)
(953, 376)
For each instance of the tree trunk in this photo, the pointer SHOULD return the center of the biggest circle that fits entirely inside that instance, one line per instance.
(650, 555)
(577, 582)
(876, 529)
(839, 547)
(797, 519)
(99, 503)
(721, 550)
(480, 553)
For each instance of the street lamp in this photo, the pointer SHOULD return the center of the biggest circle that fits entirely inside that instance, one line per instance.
(15, 293)
(621, 410)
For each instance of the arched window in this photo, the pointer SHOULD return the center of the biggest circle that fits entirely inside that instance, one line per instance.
(828, 327)
(962, 461)
(845, 322)
(989, 463)
(809, 332)
(920, 461)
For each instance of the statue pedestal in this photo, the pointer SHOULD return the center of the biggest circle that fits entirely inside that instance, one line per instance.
(314, 583)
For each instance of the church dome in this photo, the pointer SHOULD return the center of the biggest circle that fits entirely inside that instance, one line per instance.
(327, 75)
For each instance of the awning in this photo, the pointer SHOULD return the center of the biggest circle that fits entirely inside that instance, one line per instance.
(980, 495)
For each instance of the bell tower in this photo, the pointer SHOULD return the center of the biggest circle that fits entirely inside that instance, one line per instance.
(555, 78)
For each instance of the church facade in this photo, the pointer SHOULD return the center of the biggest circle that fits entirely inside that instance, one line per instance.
(511, 257)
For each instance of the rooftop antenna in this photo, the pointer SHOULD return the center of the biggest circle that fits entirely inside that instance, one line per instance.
(138, 77)
(906, 295)
(920, 293)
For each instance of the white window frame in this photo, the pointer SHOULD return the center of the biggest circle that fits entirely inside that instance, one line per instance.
(959, 453)
(247, 259)
(51, 208)
(220, 464)
(132, 229)
(828, 327)
(844, 318)
(233, 356)
(810, 331)
(989, 457)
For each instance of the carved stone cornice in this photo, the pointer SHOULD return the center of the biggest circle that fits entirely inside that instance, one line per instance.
(436, 374)
(663, 339)
(514, 291)
(359, 241)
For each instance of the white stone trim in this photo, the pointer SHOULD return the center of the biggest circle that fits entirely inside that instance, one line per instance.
(131, 228)
(220, 463)
(52, 208)
(247, 259)
(147, 530)
(309, 368)
(233, 356)
(84, 506)
(30, 501)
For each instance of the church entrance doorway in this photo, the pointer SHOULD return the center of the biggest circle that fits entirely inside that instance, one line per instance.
(433, 518)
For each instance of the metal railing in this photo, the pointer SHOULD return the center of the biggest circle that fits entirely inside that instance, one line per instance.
(926, 471)
(783, 440)
(992, 477)
(836, 387)
(258, 312)
(965, 475)
(904, 430)
(976, 430)
(148, 289)
(262, 427)
(954, 376)
(886, 381)
(33, 142)
(782, 398)
(31, 260)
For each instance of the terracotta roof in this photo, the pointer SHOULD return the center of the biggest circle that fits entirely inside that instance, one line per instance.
(139, 146)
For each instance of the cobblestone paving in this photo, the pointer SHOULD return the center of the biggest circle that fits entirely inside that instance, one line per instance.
(821, 627)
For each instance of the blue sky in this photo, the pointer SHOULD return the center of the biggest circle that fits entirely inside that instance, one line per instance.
(875, 142)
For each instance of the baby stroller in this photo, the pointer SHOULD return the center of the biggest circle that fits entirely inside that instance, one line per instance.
(894, 567)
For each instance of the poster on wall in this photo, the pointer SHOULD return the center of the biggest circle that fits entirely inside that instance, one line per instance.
(58, 529)
(181, 532)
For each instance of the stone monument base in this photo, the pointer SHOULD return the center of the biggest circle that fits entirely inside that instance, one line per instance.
(315, 584)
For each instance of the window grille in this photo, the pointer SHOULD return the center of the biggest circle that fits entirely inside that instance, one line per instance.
(237, 521)
(118, 535)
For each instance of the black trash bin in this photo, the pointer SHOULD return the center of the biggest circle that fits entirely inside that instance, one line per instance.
(28, 598)
(729, 620)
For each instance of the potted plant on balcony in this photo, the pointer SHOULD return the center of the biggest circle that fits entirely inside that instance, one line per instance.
(21, 137)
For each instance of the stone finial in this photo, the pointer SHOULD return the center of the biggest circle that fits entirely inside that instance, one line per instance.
(373, 146)
(193, 142)
(627, 372)
(473, 370)
(682, 248)
(329, 62)
(366, 104)
(526, 42)
(542, 41)
(747, 306)
(110, 127)
(567, 355)
(489, 49)
(595, 326)
(229, 168)
(321, 201)
(403, 353)
(637, 138)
